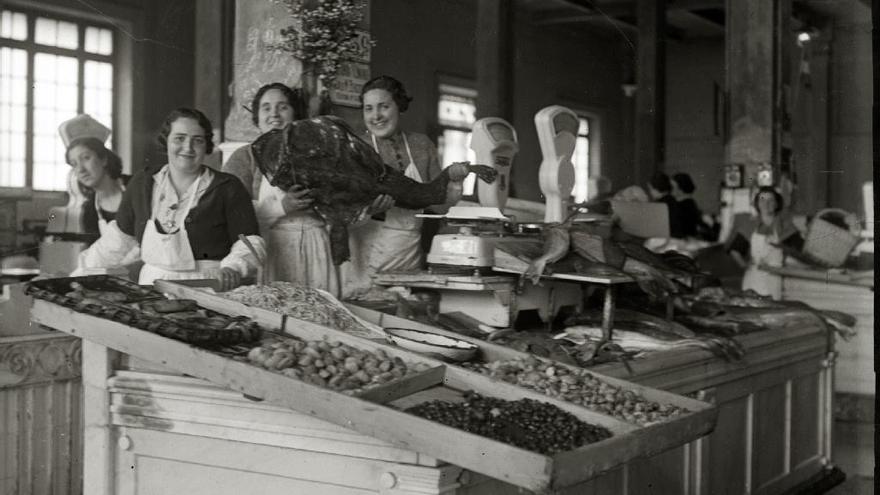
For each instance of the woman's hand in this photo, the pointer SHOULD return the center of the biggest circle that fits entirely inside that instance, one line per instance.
(381, 204)
(296, 199)
(228, 278)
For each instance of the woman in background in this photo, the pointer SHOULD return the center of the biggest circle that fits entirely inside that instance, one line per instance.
(296, 237)
(187, 219)
(99, 174)
(761, 240)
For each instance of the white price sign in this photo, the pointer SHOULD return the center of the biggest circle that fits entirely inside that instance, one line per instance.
(347, 86)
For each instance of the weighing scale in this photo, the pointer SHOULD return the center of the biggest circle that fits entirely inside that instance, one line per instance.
(557, 128)
(460, 264)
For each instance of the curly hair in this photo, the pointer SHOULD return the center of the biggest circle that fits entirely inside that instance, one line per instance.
(393, 86)
(113, 166)
(684, 182)
(187, 113)
(774, 192)
(660, 182)
(294, 98)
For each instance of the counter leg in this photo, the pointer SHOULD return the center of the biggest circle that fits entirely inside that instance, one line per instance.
(98, 446)
(607, 315)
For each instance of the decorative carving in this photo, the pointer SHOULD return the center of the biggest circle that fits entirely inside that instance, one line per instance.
(29, 360)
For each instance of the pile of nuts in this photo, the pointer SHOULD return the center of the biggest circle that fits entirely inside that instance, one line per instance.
(331, 364)
(525, 423)
(580, 387)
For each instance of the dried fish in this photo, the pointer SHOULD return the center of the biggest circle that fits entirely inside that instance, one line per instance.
(305, 303)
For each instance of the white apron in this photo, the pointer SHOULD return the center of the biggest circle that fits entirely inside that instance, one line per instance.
(397, 244)
(763, 252)
(299, 248)
(394, 244)
(169, 256)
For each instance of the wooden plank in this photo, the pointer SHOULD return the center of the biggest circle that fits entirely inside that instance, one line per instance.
(407, 385)
(99, 448)
(496, 459)
(859, 279)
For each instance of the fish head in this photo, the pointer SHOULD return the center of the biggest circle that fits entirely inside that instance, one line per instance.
(304, 143)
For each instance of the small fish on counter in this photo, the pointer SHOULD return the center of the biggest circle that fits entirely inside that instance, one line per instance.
(731, 312)
(641, 332)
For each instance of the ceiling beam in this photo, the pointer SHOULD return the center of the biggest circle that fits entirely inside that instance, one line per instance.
(694, 4)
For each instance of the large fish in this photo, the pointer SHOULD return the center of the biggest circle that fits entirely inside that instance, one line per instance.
(345, 174)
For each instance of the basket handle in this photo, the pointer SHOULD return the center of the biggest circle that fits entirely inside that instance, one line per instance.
(848, 217)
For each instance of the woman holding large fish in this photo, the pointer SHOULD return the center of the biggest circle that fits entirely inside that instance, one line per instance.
(296, 235)
(188, 220)
(395, 243)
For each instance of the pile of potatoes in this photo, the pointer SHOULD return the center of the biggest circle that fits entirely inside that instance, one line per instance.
(579, 387)
(331, 364)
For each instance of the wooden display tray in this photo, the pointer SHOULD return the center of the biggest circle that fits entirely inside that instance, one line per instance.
(659, 437)
(373, 413)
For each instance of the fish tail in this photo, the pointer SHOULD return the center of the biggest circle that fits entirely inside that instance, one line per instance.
(339, 243)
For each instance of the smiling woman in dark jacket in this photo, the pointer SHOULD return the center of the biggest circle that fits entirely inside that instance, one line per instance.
(187, 218)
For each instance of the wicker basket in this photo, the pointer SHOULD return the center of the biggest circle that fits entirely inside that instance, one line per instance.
(827, 243)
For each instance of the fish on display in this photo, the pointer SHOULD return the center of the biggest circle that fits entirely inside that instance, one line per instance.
(345, 174)
(648, 339)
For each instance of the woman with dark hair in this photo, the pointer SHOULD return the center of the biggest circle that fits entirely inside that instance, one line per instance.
(761, 240)
(395, 242)
(296, 236)
(187, 219)
(690, 218)
(98, 173)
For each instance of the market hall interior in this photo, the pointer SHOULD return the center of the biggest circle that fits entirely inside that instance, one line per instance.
(728, 93)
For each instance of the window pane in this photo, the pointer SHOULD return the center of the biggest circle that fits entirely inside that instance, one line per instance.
(55, 100)
(455, 146)
(584, 128)
(581, 159)
(99, 40)
(13, 117)
(56, 33)
(98, 93)
(456, 111)
(13, 25)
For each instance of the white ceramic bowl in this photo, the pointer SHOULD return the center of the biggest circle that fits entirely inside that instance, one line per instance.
(431, 343)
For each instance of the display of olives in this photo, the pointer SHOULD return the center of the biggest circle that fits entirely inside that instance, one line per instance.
(525, 423)
(578, 386)
(331, 364)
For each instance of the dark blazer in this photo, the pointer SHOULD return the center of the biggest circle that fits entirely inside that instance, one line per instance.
(213, 225)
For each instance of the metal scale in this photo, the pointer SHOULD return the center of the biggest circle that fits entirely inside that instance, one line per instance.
(461, 263)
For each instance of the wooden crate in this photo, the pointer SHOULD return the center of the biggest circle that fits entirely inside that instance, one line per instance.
(378, 413)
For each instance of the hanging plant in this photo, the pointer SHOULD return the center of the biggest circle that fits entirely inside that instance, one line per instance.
(323, 34)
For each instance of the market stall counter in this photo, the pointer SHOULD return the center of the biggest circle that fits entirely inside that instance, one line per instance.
(191, 394)
(842, 290)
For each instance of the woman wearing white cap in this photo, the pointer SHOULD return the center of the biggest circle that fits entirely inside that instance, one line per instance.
(98, 177)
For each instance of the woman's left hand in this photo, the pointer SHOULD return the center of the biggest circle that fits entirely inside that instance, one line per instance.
(297, 199)
(228, 278)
